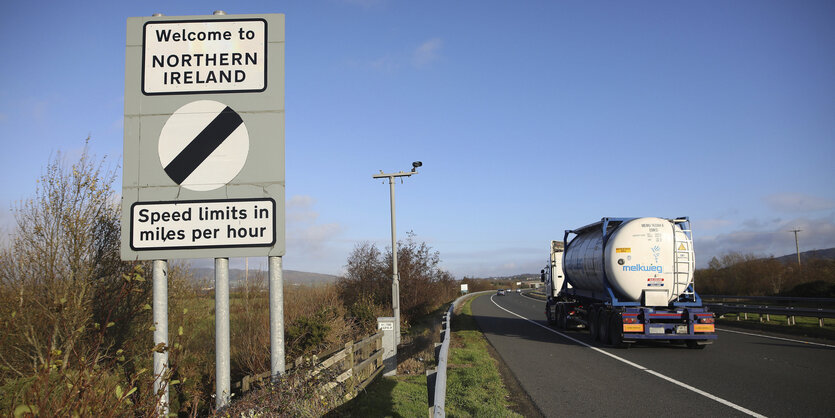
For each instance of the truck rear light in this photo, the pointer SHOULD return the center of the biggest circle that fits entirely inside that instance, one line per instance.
(706, 320)
(630, 320)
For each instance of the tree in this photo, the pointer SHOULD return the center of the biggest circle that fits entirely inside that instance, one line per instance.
(424, 286)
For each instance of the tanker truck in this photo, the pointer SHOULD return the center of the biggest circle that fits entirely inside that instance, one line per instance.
(627, 280)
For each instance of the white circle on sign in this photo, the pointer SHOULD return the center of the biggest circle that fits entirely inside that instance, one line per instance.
(203, 145)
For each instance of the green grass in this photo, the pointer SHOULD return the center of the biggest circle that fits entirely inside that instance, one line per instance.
(474, 385)
(399, 396)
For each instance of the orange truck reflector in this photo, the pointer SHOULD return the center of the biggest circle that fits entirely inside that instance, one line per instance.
(633, 327)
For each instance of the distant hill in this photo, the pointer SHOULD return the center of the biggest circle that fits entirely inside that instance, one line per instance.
(237, 276)
(828, 253)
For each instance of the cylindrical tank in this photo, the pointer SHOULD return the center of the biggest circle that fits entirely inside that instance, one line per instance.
(640, 255)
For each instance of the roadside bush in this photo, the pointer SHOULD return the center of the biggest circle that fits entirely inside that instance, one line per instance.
(250, 325)
(364, 313)
(424, 286)
(71, 309)
(738, 274)
(815, 289)
(305, 391)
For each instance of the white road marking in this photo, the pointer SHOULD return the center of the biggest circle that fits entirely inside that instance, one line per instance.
(776, 338)
(638, 366)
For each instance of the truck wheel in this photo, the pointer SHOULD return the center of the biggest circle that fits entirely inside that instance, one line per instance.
(696, 345)
(603, 326)
(548, 317)
(592, 319)
(616, 331)
(562, 318)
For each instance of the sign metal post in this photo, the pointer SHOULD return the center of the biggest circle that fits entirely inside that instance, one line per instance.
(223, 387)
(160, 308)
(277, 363)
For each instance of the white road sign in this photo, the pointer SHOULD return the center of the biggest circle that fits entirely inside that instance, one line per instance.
(203, 145)
(202, 56)
(204, 156)
(385, 326)
(206, 224)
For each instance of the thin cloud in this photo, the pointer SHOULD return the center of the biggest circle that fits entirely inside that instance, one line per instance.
(385, 64)
(710, 224)
(427, 53)
(494, 262)
(308, 241)
(38, 109)
(774, 238)
(797, 202)
(366, 4)
(422, 56)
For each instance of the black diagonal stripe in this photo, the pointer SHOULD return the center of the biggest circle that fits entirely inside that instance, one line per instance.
(203, 145)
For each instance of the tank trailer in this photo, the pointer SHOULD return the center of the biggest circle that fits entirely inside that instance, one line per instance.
(628, 280)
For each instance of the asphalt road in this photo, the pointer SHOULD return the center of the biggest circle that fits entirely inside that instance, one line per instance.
(567, 374)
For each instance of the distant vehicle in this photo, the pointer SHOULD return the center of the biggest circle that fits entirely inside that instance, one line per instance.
(500, 292)
(518, 290)
(626, 280)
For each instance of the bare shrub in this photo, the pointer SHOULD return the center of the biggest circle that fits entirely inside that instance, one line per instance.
(250, 321)
(366, 285)
(315, 320)
(747, 275)
(191, 339)
(71, 308)
(305, 391)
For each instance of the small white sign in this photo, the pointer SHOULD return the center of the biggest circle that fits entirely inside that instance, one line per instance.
(202, 224)
(204, 56)
(385, 326)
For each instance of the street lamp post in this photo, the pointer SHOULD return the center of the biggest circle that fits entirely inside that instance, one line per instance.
(395, 277)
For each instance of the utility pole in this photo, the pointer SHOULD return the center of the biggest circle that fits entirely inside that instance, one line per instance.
(797, 246)
(395, 277)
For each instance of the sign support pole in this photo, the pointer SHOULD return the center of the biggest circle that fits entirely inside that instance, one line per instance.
(222, 359)
(277, 366)
(160, 301)
(395, 276)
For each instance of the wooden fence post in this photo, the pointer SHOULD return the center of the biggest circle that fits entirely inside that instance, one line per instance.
(349, 355)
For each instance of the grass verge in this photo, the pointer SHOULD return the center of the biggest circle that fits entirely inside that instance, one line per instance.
(474, 384)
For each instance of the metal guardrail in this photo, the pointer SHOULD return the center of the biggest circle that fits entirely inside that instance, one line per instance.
(436, 379)
(788, 311)
(790, 299)
(719, 305)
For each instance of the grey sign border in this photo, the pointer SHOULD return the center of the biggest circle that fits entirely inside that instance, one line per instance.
(266, 62)
(263, 176)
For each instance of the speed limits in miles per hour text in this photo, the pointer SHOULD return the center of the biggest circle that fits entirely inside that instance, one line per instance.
(203, 224)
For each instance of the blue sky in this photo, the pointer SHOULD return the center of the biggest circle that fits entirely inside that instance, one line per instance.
(530, 118)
